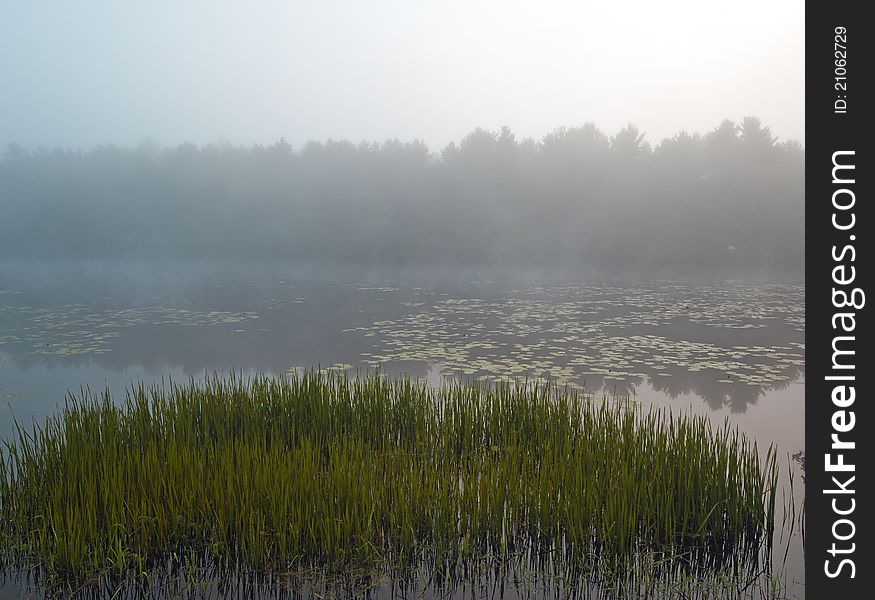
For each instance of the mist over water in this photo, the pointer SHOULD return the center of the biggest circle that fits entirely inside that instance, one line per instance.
(575, 202)
(669, 274)
(389, 191)
(730, 350)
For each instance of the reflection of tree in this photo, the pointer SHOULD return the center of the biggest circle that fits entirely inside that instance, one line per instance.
(625, 387)
(736, 396)
(708, 386)
(311, 332)
(714, 392)
(717, 388)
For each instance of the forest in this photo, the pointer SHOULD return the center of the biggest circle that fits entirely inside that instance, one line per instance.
(725, 203)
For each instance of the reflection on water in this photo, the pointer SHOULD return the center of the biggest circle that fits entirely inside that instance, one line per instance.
(729, 344)
(533, 579)
(733, 348)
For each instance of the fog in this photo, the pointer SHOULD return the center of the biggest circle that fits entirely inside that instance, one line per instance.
(551, 137)
(577, 200)
(88, 73)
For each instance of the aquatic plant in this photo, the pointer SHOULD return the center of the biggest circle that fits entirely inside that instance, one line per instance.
(320, 471)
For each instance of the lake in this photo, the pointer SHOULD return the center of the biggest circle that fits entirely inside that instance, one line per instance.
(733, 350)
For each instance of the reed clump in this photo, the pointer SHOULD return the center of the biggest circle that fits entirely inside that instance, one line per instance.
(334, 473)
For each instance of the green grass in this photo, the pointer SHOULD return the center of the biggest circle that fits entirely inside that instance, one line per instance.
(329, 473)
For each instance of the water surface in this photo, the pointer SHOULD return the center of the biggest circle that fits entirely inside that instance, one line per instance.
(733, 350)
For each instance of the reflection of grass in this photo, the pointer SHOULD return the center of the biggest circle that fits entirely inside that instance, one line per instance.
(322, 471)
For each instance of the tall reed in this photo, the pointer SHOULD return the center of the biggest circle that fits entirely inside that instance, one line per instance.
(328, 472)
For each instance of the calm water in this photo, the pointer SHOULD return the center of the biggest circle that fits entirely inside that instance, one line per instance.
(733, 350)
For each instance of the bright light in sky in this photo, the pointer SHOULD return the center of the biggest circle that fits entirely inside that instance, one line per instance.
(85, 73)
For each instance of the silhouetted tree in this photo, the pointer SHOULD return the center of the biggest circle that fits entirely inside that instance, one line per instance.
(755, 136)
(576, 199)
(629, 144)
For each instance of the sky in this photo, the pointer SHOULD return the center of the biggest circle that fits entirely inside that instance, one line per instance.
(86, 73)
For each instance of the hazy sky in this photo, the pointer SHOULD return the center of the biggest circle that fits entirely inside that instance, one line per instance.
(84, 73)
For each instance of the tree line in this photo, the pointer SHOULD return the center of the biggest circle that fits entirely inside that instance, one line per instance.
(727, 202)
